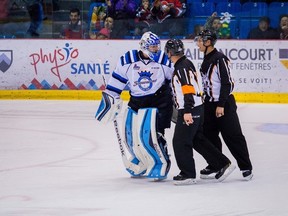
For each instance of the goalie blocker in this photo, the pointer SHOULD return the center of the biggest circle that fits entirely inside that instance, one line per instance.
(144, 152)
(109, 108)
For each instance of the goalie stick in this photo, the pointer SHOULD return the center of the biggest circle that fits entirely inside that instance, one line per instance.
(132, 168)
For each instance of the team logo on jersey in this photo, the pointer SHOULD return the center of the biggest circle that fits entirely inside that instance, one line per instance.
(136, 67)
(6, 59)
(144, 81)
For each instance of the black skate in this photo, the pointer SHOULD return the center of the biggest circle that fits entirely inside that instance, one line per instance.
(208, 173)
(181, 180)
(223, 173)
(247, 175)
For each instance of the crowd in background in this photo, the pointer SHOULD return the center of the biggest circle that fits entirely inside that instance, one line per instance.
(118, 19)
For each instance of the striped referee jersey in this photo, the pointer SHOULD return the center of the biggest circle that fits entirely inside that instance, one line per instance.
(217, 81)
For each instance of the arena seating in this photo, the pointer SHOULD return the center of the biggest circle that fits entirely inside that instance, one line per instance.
(244, 15)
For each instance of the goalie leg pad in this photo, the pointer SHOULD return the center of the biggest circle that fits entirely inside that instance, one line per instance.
(109, 108)
(135, 156)
(157, 159)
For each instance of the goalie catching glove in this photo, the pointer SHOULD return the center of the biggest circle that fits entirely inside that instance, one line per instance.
(109, 108)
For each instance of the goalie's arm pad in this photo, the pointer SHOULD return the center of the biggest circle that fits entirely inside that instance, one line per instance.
(109, 108)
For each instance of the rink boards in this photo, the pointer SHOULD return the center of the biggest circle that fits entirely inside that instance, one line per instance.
(74, 69)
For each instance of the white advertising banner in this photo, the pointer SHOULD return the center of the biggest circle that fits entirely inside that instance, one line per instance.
(257, 66)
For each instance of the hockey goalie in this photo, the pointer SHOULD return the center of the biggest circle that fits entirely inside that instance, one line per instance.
(147, 74)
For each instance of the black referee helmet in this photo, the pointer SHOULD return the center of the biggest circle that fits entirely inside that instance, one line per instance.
(207, 35)
(175, 46)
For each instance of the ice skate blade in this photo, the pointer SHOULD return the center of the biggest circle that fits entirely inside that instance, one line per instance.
(189, 181)
(211, 176)
(160, 179)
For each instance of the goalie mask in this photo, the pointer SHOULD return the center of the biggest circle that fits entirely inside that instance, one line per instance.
(150, 45)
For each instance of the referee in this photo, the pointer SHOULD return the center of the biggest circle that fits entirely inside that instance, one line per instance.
(220, 105)
(188, 133)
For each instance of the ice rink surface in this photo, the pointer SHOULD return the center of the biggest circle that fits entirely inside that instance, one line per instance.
(57, 160)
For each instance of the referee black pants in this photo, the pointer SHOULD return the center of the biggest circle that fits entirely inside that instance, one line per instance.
(230, 129)
(188, 137)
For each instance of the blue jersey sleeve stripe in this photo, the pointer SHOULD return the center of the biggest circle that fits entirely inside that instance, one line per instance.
(113, 89)
(119, 78)
(127, 58)
(135, 55)
(122, 60)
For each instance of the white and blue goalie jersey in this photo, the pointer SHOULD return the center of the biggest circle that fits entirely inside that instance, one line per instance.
(143, 76)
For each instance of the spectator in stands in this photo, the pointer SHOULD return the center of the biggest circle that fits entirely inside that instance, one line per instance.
(166, 13)
(143, 18)
(283, 27)
(75, 29)
(219, 25)
(35, 10)
(97, 19)
(106, 32)
(197, 29)
(213, 23)
(123, 12)
(263, 30)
